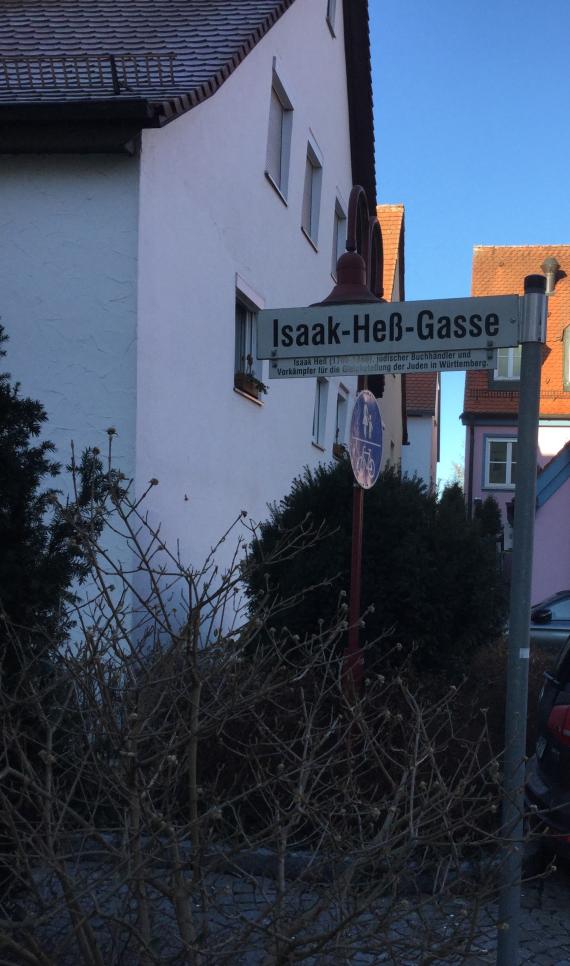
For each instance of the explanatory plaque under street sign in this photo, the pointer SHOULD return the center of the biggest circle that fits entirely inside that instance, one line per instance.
(399, 362)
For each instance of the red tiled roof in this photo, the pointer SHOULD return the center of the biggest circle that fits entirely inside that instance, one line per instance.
(421, 393)
(500, 270)
(391, 218)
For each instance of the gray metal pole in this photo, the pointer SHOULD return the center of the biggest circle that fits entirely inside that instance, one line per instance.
(532, 336)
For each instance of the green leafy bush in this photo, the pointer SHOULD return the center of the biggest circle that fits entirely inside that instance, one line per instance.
(430, 573)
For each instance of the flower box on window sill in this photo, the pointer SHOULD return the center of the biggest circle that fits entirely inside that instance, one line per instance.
(250, 384)
(339, 451)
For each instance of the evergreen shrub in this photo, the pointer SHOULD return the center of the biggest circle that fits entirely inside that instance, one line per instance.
(41, 558)
(431, 574)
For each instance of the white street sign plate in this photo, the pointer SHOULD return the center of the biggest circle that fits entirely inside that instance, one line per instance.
(402, 362)
(387, 327)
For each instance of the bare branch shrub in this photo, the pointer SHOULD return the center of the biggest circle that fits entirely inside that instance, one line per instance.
(188, 785)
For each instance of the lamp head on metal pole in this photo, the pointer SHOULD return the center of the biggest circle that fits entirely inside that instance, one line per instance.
(351, 287)
(356, 272)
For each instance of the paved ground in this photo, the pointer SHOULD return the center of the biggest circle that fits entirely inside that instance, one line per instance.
(545, 924)
(237, 914)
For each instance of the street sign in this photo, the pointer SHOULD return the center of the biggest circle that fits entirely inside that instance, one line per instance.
(400, 362)
(366, 439)
(386, 327)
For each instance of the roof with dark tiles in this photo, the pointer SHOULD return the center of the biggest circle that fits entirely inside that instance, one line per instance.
(88, 75)
(50, 49)
(501, 270)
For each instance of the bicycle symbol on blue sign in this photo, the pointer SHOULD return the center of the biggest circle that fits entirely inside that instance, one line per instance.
(366, 439)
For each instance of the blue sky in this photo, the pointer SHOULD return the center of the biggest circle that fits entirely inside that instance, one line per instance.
(471, 112)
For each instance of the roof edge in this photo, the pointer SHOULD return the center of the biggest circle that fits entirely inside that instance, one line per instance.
(508, 247)
(553, 476)
(156, 112)
(359, 89)
(475, 417)
(173, 108)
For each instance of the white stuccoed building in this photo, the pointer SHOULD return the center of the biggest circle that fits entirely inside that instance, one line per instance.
(166, 169)
(423, 401)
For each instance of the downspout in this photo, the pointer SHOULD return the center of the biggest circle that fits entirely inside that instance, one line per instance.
(405, 439)
(402, 298)
(470, 477)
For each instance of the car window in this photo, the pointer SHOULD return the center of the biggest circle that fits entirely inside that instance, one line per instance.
(560, 609)
(562, 669)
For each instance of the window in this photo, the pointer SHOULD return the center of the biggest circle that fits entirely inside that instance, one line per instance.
(508, 363)
(501, 463)
(248, 370)
(312, 195)
(331, 11)
(339, 235)
(560, 609)
(340, 426)
(279, 137)
(320, 412)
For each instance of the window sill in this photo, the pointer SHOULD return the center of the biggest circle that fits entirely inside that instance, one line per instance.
(312, 243)
(276, 188)
(318, 446)
(508, 487)
(246, 395)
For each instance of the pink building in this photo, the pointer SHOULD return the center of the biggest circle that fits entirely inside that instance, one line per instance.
(491, 411)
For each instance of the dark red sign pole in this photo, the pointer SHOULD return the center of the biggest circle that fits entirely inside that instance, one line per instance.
(353, 663)
(357, 273)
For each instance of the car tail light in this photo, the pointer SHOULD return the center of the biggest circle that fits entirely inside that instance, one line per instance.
(559, 723)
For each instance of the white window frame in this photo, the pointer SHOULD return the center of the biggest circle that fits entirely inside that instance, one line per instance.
(310, 212)
(512, 356)
(341, 415)
(566, 358)
(248, 302)
(320, 412)
(509, 483)
(279, 99)
(339, 234)
(331, 16)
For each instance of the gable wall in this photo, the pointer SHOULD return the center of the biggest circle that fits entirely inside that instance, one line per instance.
(419, 457)
(68, 267)
(551, 557)
(207, 213)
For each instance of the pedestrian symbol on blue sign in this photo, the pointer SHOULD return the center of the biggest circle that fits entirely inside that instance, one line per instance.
(366, 439)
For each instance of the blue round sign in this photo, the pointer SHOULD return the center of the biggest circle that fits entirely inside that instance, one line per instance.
(366, 439)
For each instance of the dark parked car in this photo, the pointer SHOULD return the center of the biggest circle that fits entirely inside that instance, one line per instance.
(550, 621)
(548, 771)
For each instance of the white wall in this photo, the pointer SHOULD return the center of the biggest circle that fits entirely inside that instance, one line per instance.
(391, 409)
(419, 457)
(552, 436)
(68, 264)
(207, 213)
